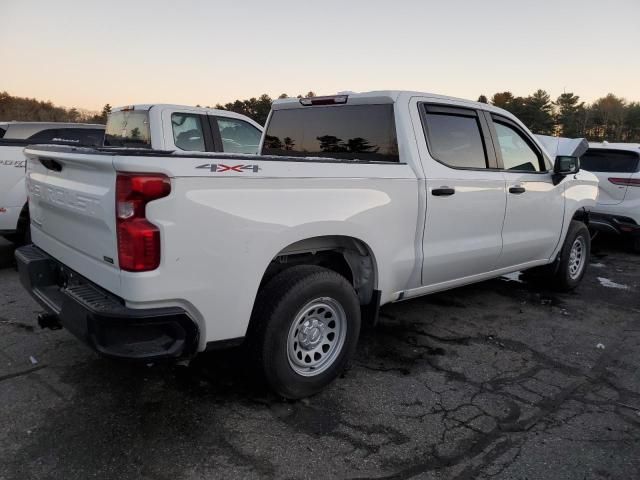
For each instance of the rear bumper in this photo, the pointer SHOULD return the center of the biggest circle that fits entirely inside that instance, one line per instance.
(617, 224)
(101, 319)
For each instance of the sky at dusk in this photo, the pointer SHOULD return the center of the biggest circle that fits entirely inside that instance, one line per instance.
(88, 53)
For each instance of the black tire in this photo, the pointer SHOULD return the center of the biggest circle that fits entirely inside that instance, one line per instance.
(22, 235)
(278, 305)
(564, 279)
(19, 238)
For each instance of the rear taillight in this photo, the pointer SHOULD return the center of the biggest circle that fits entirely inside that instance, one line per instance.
(626, 182)
(138, 239)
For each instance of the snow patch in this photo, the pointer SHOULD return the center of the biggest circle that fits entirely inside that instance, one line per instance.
(514, 277)
(605, 282)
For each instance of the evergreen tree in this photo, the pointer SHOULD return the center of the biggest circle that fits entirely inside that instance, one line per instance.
(537, 113)
(569, 115)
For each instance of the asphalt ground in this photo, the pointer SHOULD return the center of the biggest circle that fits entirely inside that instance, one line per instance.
(502, 379)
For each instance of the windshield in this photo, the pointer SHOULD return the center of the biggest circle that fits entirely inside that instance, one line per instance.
(128, 129)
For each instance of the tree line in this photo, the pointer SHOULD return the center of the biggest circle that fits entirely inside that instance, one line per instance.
(609, 118)
(256, 108)
(23, 109)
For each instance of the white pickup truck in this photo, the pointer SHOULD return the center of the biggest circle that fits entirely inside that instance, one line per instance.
(355, 201)
(14, 136)
(181, 129)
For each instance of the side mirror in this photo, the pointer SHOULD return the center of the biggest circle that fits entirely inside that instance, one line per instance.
(566, 165)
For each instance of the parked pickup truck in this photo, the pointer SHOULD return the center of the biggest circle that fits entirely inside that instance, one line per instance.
(14, 136)
(182, 129)
(355, 201)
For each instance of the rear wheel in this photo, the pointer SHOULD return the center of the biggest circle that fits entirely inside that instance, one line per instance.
(304, 330)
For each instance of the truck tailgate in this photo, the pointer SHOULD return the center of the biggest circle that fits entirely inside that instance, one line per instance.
(72, 205)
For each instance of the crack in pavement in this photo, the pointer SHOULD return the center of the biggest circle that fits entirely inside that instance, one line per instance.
(21, 373)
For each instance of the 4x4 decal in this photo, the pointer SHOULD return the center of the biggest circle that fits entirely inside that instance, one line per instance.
(221, 167)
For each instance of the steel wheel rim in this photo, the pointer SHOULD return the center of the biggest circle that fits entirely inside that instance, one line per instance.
(316, 336)
(577, 257)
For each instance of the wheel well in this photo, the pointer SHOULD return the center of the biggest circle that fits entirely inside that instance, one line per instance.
(347, 256)
(23, 221)
(581, 215)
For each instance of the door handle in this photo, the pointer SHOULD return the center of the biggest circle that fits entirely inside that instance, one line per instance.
(443, 191)
(517, 190)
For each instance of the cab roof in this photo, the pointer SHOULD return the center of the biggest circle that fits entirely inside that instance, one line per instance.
(186, 108)
(390, 96)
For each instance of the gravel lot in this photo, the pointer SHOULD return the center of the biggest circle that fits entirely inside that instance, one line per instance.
(500, 380)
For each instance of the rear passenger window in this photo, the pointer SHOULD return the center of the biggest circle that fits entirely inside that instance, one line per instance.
(44, 135)
(601, 160)
(91, 137)
(238, 136)
(517, 154)
(187, 132)
(456, 140)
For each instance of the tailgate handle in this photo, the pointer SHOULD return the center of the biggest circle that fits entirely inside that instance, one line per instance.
(51, 164)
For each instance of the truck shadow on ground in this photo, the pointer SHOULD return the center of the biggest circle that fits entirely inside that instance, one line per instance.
(7, 260)
(457, 384)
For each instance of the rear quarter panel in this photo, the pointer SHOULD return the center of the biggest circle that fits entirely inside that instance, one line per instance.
(221, 230)
(629, 206)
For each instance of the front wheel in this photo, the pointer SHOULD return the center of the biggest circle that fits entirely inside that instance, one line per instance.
(574, 257)
(304, 329)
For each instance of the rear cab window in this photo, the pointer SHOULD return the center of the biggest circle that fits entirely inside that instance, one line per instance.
(364, 132)
(602, 160)
(128, 129)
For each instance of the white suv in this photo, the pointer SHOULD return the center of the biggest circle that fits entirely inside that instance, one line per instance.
(14, 136)
(617, 166)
